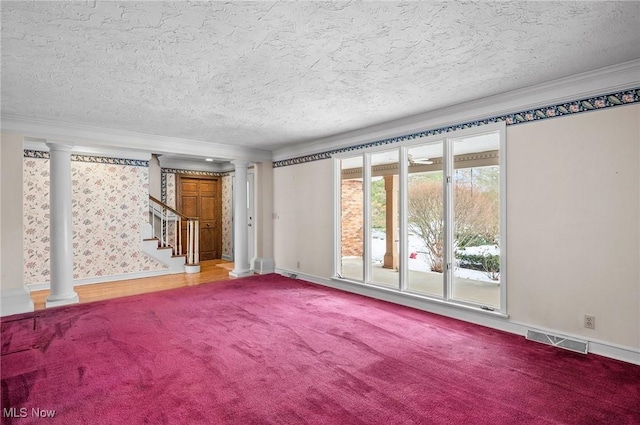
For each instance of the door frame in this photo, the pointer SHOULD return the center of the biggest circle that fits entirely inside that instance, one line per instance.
(251, 216)
(218, 180)
(251, 211)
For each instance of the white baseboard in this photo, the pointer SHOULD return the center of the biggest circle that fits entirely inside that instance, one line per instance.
(15, 301)
(596, 346)
(480, 317)
(263, 265)
(227, 257)
(102, 279)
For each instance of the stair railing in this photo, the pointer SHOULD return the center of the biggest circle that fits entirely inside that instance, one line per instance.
(167, 226)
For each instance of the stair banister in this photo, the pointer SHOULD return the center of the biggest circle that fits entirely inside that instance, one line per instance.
(171, 219)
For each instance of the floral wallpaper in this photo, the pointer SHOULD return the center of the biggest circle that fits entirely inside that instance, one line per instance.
(171, 201)
(35, 181)
(171, 190)
(109, 204)
(227, 226)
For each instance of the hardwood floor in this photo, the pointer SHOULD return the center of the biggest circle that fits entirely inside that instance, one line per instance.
(210, 271)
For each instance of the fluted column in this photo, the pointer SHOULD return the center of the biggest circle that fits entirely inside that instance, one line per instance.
(61, 226)
(240, 231)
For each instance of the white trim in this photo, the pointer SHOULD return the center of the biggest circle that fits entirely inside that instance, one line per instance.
(492, 320)
(252, 228)
(40, 145)
(102, 279)
(403, 212)
(227, 257)
(448, 201)
(504, 279)
(447, 172)
(596, 346)
(15, 301)
(195, 164)
(89, 136)
(337, 216)
(240, 273)
(366, 210)
(604, 80)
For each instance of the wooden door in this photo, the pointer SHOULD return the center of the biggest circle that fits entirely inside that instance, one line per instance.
(200, 197)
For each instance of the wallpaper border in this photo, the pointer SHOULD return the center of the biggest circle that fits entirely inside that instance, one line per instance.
(620, 98)
(193, 172)
(165, 171)
(29, 153)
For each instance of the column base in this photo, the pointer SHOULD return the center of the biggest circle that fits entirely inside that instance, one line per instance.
(264, 265)
(69, 299)
(390, 261)
(240, 273)
(192, 268)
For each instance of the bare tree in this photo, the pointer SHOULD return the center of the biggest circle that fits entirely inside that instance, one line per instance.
(475, 210)
(426, 220)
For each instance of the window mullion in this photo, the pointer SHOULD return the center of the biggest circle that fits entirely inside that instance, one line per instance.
(503, 221)
(403, 224)
(366, 183)
(448, 219)
(337, 218)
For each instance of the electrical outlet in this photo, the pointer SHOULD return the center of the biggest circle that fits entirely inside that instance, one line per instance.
(589, 322)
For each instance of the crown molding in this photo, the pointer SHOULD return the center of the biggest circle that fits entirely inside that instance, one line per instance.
(195, 164)
(87, 137)
(609, 79)
(40, 145)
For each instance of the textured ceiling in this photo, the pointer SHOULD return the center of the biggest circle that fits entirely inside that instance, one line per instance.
(268, 74)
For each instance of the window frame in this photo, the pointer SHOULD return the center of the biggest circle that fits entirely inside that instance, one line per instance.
(448, 169)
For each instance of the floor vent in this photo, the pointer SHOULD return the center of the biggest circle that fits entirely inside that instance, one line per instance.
(577, 346)
(293, 276)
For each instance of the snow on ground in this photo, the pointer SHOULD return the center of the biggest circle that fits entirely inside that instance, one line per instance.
(421, 262)
(481, 250)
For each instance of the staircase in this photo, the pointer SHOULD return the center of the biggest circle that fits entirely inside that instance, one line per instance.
(162, 238)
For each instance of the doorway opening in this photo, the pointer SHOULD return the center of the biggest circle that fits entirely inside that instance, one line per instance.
(200, 196)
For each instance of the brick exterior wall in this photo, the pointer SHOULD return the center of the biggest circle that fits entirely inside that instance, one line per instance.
(352, 218)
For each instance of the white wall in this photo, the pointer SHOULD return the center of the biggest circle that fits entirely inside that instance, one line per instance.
(11, 170)
(14, 296)
(1, 280)
(573, 224)
(155, 178)
(303, 227)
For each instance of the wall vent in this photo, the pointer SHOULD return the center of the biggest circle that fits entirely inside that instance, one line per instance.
(577, 346)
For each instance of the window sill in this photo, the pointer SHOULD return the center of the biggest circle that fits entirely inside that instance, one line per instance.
(393, 295)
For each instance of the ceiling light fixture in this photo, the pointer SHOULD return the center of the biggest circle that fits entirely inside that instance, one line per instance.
(419, 161)
(209, 159)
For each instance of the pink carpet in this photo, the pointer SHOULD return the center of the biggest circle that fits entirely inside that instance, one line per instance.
(271, 350)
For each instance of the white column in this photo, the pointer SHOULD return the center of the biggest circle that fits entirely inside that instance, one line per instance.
(263, 263)
(240, 231)
(61, 227)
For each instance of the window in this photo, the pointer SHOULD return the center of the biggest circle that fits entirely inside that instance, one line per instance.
(426, 218)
